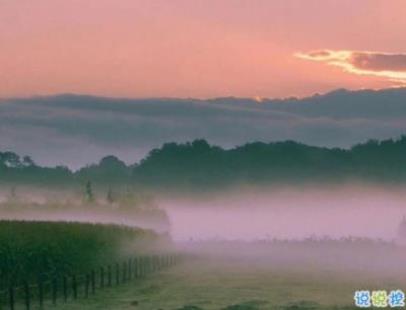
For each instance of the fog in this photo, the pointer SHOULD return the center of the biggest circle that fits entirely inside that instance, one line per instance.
(345, 228)
(346, 232)
(39, 204)
(289, 213)
(277, 212)
(86, 216)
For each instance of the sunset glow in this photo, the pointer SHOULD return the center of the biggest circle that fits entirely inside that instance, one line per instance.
(202, 154)
(358, 63)
(180, 48)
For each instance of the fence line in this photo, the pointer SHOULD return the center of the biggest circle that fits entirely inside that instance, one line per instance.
(71, 287)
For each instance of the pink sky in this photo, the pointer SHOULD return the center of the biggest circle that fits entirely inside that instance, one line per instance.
(200, 48)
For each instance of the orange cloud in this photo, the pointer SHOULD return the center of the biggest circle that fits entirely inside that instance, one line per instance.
(387, 65)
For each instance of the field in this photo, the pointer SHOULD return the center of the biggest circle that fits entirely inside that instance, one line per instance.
(30, 250)
(221, 285)
(324, 277)
(306, 274)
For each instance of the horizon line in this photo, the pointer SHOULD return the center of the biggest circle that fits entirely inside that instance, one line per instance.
(257, 99)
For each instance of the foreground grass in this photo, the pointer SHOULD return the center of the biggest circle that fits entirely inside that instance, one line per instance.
(235, 285)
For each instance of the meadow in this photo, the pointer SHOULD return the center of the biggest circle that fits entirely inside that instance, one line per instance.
(266, 275)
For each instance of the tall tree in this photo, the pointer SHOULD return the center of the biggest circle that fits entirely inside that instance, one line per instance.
(89, 196)
(110, 196)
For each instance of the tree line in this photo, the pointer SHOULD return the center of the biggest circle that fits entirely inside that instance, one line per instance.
(199, 165)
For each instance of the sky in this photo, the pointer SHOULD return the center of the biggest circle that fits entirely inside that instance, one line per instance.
(200, 48)
(171, 58)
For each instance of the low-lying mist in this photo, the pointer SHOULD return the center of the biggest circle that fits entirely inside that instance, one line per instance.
(276, 212)
(38, 204)
(289, 213)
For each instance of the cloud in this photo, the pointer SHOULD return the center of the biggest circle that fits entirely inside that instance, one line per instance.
(77, 130)
(386, 65)
(379, 62)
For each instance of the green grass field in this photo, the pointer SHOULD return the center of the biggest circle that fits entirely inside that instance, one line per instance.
(272, 281)
(202, 284)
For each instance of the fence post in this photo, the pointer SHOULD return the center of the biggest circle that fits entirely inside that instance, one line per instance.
(143, 266)
(87, 280)
(159, 262)
(93, 282)
(130, 269)
(101, 277)
(124, 272)
(149, 264)
(109, 275)
(117, 274)
(11, 297)
(139, 267)
(65, 288)
(40, 293)
(74, 287)
(135, 267)
(54, 290)
(146, 266)
(27, 295)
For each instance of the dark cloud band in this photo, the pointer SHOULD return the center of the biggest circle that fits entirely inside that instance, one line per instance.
(379, 62)
(76, 130)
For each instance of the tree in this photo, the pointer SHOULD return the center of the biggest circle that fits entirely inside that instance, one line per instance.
(110, 196)
(89, 197)
(10, 160)
(13, 194)
(28, 162)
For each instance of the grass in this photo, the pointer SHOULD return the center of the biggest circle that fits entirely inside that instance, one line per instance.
(220, 285)
(215, 282)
